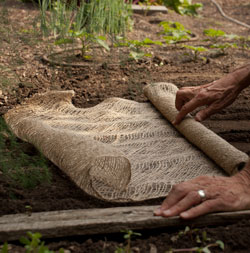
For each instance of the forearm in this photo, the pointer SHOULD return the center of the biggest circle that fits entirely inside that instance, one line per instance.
(242, 76)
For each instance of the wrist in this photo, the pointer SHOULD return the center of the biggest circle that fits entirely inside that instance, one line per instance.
(241, 77)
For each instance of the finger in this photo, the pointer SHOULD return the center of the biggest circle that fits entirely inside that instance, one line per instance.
(183, 96)
(205, 207)
(187, 108)
(206, 113)
(175, 195)
(191, 199)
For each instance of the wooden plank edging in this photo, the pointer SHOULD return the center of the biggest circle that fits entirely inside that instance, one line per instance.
(149, 10)
(102, 221)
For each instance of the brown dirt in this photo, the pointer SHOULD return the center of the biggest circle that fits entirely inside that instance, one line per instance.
(23, 73)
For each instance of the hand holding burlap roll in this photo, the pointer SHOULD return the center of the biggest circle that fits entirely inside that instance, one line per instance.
(121, 150)
(162, 95)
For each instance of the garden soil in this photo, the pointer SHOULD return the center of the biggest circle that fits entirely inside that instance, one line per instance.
(24, 73)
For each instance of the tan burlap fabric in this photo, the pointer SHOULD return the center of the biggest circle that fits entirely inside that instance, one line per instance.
(121, 150)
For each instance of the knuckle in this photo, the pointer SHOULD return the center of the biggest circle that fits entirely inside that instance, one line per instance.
(201, 95)
(184, 108)
(211, 206)
(176, 188)
(193, 196)
(230, 200)
(203, 178)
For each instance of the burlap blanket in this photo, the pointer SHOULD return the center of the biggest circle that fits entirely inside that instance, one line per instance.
(121, 150)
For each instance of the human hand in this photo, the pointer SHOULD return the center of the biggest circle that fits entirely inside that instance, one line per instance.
(216, 96)
(221, 194)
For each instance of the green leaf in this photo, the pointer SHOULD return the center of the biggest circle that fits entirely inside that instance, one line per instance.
(102, 37)
(34, 235)
(126, 236)
(87, 57)
(220, 244)
(63, 41)
(147, 41)
(206, 250)
(214, 33)
(183, 6)
(5, 248)
(120, 250)
(103, 44)
(24, 241)
(198, 49)
(198, 240)
(135, 233)
(137, 55)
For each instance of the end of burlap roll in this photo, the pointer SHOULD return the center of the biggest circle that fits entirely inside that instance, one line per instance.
(79, 156)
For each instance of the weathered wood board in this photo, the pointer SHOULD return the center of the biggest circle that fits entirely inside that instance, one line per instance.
(100, 221)
(148, 10)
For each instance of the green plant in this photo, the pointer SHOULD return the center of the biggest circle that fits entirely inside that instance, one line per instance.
(92, 22)
(243, 42)
(174, 32)
(135, 47)
(203, 241)
(214, 35)
(128, 237)
(183, 7)
(4, 248)
(17, 165)
(202, 249)
(223, 47)
(33, 244)
(146, 4)
(195, 52)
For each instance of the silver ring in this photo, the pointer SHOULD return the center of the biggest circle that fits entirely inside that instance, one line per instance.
(202, 194)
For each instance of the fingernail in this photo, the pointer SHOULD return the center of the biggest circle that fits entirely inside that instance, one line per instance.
(198, 118)
(157, 211)
(167, 213)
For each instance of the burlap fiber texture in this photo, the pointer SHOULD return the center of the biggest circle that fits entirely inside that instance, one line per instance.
(121, 150)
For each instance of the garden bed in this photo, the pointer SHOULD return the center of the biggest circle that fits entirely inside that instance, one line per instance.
(23, 73)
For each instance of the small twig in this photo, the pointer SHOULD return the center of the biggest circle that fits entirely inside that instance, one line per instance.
(195, 248)
(227, 17)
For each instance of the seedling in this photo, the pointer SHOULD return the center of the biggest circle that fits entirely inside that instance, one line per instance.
(4, 248)
(146, 4)
(205, 249)
(91, 22)
(87, 41)
(204, 241)
(128, 237)
(214, 35)
(33, 244)
(174, 32)
(195, 52)
(223, 47)
(183, 7)
(243, 42)
(135, 47)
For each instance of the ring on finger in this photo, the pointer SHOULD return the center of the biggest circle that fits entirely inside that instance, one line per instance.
(202, 194)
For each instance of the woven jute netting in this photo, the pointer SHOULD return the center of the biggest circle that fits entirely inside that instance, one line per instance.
(122, 150)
